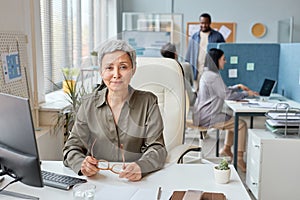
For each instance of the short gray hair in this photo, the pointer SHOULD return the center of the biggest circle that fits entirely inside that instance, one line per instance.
(117, 45)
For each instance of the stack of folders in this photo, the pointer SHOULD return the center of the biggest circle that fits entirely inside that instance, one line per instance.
(283, 122)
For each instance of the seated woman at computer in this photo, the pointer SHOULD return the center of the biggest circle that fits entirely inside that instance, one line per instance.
(117, 122)
(207, 110)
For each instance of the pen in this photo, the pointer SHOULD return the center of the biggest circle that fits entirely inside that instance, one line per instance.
(158, 194)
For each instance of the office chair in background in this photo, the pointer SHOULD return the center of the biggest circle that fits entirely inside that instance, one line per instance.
(164, 77)
(202, 134)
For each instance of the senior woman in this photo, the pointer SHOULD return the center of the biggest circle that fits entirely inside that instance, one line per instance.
(117, 122)
(208, 107)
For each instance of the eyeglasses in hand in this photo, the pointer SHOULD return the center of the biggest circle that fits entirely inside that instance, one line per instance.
(105, 165)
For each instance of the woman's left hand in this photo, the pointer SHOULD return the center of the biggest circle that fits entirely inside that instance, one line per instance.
(132, 172)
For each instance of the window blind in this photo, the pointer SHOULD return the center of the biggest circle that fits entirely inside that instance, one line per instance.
(71, 29)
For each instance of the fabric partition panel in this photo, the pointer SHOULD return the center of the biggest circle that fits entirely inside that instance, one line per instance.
(250, 64)
(289, 71)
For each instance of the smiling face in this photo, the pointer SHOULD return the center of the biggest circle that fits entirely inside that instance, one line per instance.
(204, 24)
(117, 70)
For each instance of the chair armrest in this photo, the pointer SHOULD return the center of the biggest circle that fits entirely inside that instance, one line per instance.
(176, 154)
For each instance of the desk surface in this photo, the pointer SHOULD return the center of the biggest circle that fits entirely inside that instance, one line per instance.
(172, 177)
(244, 107)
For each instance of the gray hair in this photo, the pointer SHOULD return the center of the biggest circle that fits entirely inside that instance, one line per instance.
(117, 45)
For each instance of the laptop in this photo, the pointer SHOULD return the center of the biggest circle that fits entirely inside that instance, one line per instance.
(267, 88)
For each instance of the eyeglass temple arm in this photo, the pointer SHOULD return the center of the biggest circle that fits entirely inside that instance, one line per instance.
(123, 156)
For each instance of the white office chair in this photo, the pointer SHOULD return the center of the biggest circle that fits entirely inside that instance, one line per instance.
(164, 77)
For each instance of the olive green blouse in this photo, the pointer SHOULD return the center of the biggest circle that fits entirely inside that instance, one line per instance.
(139, 130)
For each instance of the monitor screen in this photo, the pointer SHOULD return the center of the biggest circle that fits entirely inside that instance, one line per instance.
(267, 87)
(19, 156)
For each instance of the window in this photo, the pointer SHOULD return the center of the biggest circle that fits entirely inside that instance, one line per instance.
(71, 29)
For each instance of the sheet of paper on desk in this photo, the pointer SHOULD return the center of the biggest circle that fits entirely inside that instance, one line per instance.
(110, 192)
(256, 104)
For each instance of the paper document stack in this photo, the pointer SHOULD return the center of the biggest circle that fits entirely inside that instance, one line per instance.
(283, 122)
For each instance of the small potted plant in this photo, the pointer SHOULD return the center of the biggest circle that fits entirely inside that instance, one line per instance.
(94, 56)
(222, 172)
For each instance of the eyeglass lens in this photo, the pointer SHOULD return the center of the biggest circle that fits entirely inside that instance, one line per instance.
(104, 165)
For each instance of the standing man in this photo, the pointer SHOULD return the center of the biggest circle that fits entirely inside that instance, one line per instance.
(197, 46)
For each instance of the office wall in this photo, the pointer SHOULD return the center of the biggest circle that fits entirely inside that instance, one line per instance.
(289, 71)
(15, 16)
(244, 13)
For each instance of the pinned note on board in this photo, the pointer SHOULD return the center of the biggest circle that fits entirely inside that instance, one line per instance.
(232, 73)
(250, 67)
(233, 60)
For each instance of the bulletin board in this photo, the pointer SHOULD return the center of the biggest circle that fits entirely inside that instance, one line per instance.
(14, 79)
(227, 29)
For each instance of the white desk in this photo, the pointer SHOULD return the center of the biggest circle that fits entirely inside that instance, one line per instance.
(173, 177)
(240, 109)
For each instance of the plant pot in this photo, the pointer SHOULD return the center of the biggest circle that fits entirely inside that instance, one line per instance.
(68, 85)
(222, 176)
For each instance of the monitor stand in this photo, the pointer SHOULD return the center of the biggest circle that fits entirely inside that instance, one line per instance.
(14, 194)
(262, 98)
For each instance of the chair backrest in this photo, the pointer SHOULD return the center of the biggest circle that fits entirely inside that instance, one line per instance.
(164, 78)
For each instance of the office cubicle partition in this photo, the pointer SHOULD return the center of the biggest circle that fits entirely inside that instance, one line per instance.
(255, 62)
(289, 71)
(250, 64)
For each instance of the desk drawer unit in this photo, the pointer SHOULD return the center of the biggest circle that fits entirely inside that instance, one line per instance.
(272, 166)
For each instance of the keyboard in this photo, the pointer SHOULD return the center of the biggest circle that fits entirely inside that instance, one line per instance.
(60, 181)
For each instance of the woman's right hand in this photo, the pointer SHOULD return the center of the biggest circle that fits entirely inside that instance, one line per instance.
(252, 93)
(89, 166)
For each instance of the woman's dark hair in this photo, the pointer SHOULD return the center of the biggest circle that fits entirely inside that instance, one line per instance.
(212, 59)
(168, 50)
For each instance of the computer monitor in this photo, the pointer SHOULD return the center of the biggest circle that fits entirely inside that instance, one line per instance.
(19, 156)
(267, 88)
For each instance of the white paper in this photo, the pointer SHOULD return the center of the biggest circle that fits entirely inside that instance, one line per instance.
(232, 73)
(110, 192)
(151, 194)
(225, 31)
(263, 104)
(193, 28)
